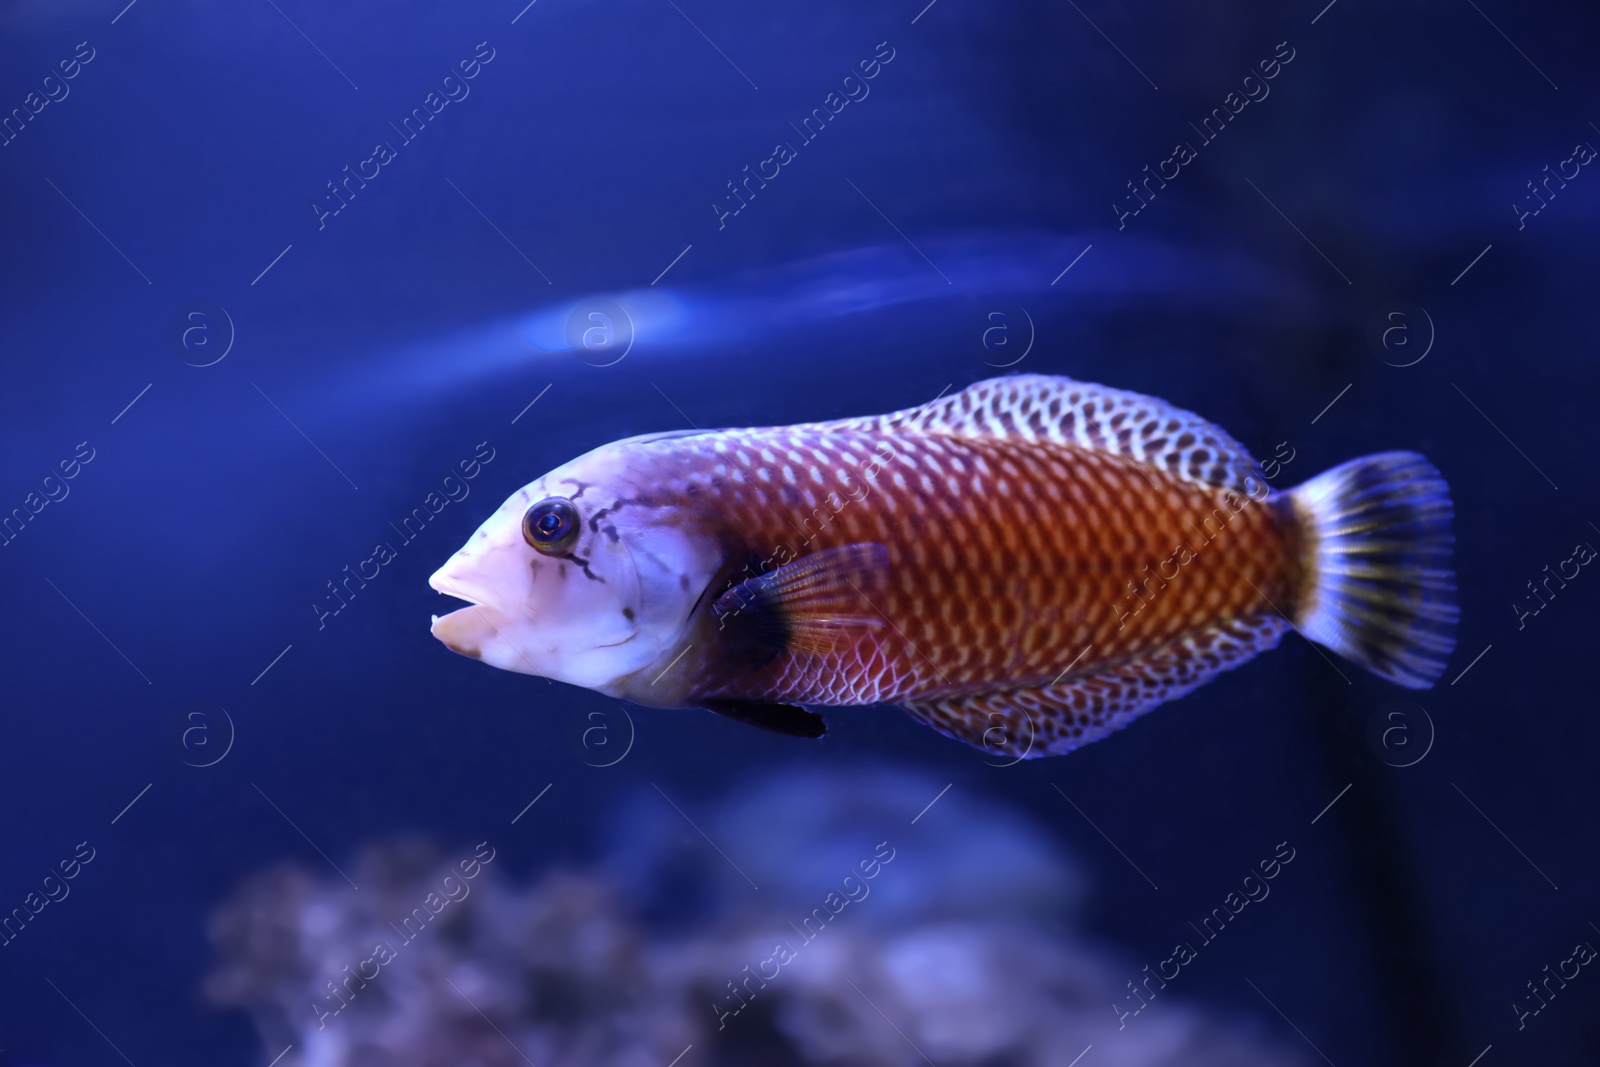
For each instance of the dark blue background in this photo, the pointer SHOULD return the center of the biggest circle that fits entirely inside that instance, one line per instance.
(996, 141)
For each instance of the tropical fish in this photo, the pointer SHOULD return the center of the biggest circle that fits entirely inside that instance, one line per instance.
(1026, 565)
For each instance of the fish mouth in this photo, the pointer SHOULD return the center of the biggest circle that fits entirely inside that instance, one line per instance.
(463, 631)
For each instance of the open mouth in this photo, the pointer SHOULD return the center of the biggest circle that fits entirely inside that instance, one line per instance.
(461, 586)
(464, 629)
(470, 605)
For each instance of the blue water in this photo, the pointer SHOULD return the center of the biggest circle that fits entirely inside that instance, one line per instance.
(224, 381)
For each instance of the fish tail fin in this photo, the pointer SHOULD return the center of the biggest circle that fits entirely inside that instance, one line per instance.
(1378, 587)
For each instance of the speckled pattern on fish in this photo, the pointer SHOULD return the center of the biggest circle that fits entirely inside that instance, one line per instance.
(1026, 565)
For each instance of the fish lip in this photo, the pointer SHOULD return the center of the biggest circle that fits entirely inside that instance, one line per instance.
(440, 625)
(441, 584)
(437, 619)
(469, 619)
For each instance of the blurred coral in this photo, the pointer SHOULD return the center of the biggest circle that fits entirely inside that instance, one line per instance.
(961, 951)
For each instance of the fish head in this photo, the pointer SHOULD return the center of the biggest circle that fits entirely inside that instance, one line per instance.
(589, 575)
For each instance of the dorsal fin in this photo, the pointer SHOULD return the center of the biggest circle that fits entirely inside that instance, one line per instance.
(1144, 429)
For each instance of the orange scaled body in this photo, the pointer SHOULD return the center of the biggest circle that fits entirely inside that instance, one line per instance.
(1026, 565)
(1008, 561)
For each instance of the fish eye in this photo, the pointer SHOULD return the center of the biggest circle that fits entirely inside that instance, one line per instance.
(551, 525)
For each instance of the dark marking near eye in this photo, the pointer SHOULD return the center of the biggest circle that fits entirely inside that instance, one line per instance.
(611, 532)
(627, 613)
(580, 561)
(641, 501)
(683, 582)
(581, 487)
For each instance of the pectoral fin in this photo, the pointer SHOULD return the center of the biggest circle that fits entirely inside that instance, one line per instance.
(809, 606)
(777, 718)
